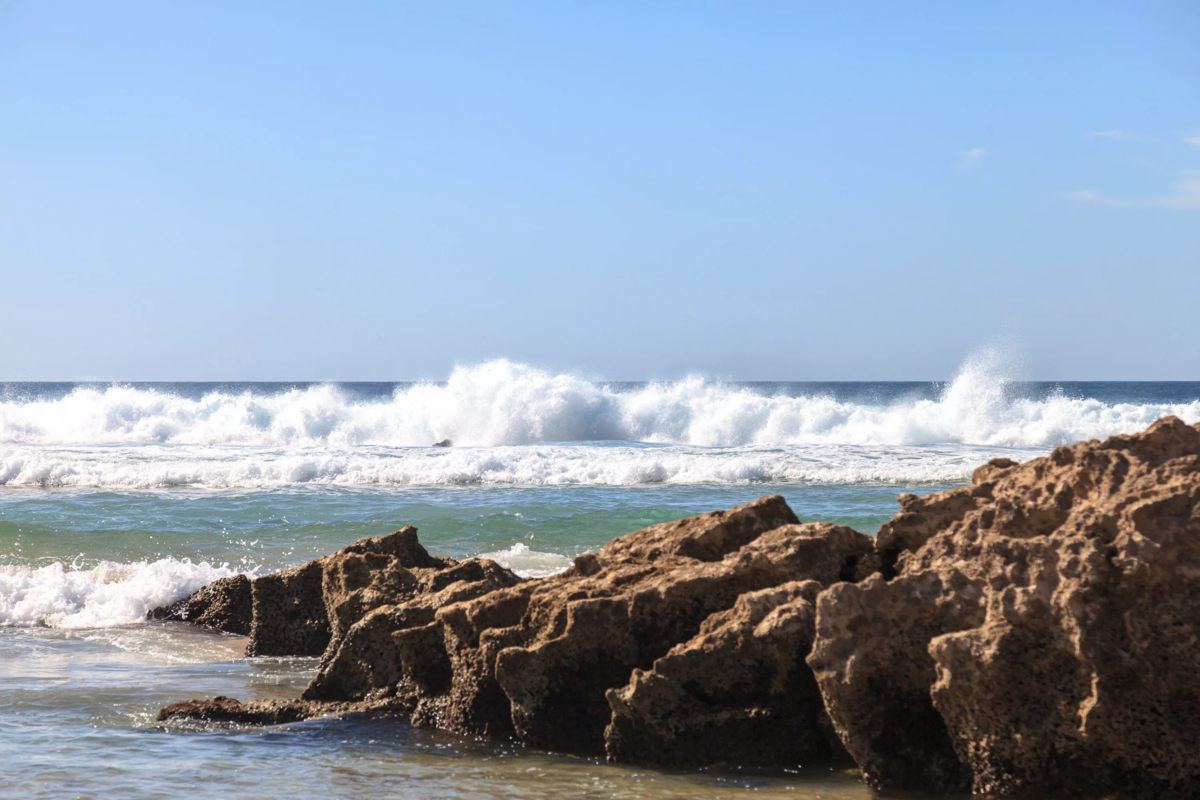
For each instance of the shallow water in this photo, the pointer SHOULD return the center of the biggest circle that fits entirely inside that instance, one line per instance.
(78, 713)
(117, 499)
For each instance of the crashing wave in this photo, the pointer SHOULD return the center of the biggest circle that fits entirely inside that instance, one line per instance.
(504, 403)
(109, 594)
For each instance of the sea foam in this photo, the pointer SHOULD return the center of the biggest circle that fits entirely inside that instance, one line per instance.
(529, 563)
(513, 424)
(106, 595)
(503, 403)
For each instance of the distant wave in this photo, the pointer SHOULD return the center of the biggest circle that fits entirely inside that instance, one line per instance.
(504, 403)
(224, 467)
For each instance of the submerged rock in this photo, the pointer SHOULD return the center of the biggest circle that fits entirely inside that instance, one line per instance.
(260, 712)
(1044, 626)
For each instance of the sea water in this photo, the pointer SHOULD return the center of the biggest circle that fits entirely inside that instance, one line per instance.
(117, 498)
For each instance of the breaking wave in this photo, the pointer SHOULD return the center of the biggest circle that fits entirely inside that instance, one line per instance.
(503, 403)
(107, 595)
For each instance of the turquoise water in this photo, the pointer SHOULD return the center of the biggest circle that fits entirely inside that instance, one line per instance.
(271, 529)
(116, 498)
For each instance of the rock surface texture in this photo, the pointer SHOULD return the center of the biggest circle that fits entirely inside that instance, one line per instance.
(536, 662)
(1037, 631)
(1043, 628)
(224, 605)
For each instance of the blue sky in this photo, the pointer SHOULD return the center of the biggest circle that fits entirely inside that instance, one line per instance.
(790, 191)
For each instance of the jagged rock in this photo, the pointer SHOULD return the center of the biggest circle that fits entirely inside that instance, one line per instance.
(290, 618)
(471, 648)
(738, 692)
(306, 610)
(535, 661)
(223, 605)
(1035, 632)
(346, 607)
(364, 658)
(1059, 604)
(872, 664)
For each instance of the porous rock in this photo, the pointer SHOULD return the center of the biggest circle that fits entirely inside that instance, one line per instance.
(306, 610)
(536, 661)
(871, 662)
(680, 644)
(223, 605)
(1057, 604)
(738, 692)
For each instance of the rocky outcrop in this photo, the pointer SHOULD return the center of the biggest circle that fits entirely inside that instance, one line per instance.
(680, 644)
(371, 600)
(738, 692)
(1035, 632)
(309, 609)
(223, 605)
(536, 661)
(1043, 627)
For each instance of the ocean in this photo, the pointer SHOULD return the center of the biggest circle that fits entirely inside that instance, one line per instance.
(116, 498)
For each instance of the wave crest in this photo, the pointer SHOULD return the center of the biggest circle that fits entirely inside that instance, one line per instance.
(107, 595)
(504, 403)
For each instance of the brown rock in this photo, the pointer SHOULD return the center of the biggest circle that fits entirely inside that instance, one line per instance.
(306, 610)
(535, 661)
(227, 710)
(346, 607)
(872, 664)
(1073, 670)
(289, 613)
(261, 712)
(363, 658)
(738, 692)
(223, 605)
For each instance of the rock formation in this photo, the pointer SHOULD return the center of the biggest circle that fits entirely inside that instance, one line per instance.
(738, 692)
(536, 662)
(1037, 631)
(227, 710)
(577, 661)
(223, 605)
(1043, 627)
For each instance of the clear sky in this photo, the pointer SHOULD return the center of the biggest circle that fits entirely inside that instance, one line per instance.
(754, 190)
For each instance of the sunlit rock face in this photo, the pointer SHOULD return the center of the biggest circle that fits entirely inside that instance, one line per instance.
(1041, 628)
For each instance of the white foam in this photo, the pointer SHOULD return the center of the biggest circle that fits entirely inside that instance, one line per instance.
(156, 467)
(529, 563)
(502, 403)
(514, 425)
(105, 596)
